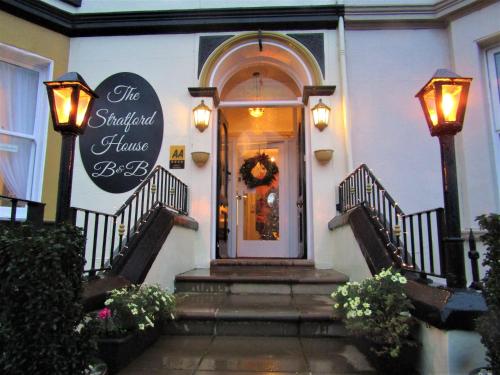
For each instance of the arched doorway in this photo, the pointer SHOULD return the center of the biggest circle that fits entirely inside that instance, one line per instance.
(260, 160)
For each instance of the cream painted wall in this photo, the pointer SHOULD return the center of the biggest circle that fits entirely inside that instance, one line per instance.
(324, 178)
(171, 74)
(470, 36)
(450, 352)
(168, 63)
(347, 257)
(176, 256)
(386, 68)
(92, 6)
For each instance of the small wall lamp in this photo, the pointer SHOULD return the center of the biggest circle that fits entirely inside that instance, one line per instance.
(321, 114)
(201, 116)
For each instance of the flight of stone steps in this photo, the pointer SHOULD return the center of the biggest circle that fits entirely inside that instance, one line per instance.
(257, 298)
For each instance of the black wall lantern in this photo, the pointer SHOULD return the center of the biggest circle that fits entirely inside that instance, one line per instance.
(70, 101)
(443, 100)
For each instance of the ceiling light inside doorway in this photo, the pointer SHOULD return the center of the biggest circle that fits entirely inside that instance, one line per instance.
(256, 111)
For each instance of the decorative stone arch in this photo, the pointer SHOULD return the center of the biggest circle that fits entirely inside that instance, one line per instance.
(279, 50)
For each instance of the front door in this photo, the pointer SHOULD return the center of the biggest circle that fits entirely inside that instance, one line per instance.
(261, 224)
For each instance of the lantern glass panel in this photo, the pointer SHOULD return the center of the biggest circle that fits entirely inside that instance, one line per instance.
(62, 102)
(201, 116)
(449, 102)
(320, 115)
(83, 103)
(430, 103)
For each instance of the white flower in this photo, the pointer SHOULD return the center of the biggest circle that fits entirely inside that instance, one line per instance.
(108, 302)
(366, 305)
(336, 305)
(141, 327)
(394, 279)
(402, 280)
(368, 312)
(359, 313)
(134, 311)
(344, 292)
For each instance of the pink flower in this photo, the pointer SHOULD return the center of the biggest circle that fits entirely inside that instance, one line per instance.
(105, 313)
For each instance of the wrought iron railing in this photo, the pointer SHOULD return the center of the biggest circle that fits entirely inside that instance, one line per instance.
(108, 235)
(11, 208)
(414, 241)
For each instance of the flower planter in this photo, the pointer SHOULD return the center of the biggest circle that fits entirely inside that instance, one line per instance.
(118, 352)
(406, 363)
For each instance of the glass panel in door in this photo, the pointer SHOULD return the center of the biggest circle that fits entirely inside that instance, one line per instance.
(260, 216)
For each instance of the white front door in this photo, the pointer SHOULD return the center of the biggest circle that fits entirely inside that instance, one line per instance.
(261, 224)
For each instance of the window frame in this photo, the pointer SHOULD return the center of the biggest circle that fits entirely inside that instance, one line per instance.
(493, 80)
(44, 67)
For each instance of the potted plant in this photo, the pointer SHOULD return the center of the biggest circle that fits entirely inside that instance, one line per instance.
(377, 312)
(130, 322)
(488, 325)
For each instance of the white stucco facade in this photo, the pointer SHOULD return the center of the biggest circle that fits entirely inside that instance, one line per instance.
(382, 125)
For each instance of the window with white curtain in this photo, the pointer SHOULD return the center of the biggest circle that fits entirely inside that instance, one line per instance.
(23, 122)
(493, 65)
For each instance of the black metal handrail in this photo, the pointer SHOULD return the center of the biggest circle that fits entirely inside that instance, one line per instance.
(414, 241)
(34, 211)
(108, 235)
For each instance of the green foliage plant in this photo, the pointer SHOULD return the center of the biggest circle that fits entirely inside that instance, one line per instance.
(489, 324)
(40, 292)
(133, 308)
(377, 309)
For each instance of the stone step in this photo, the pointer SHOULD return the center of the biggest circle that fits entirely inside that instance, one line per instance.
(255, 315)
(261, 262)
(260, 280)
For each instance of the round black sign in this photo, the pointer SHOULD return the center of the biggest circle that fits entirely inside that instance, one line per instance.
(124, 133)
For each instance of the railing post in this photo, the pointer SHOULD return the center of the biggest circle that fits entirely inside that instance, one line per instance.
(185, 203)
(35, 213)
(441, 230)
(13, 210)
(474, 257)
(340, 207)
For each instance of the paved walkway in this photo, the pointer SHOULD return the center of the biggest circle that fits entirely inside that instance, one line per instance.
(235, 355)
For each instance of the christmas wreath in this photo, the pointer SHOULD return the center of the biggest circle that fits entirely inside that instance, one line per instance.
(258, 171)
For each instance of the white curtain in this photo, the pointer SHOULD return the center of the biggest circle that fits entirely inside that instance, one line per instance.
(18, 98)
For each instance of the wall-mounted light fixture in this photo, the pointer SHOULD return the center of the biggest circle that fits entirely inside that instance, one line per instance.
(201, 115)
(70, 101)
(321, 114)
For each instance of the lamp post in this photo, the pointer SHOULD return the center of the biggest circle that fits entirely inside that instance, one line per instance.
(70, 100)
(443, 100)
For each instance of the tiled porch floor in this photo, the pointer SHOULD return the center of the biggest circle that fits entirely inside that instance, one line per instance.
(225, 355)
